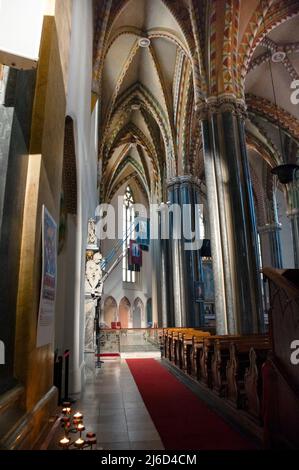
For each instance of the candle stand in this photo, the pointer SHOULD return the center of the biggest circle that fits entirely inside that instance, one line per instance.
(73, 424)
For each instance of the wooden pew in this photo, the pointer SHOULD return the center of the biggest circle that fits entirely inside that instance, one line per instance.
(178, 345)
(206, 355)
(237, 365)
(183, 340)
(213, 366)
(170, 336)
(253, 383)
(221, 357)
(186, 348)
(205, 360)
(197, 345)
(167, 340)
(219, 360)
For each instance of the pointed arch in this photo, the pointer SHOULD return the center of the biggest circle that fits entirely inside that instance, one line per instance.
(138, 314)
(124, 313)
(110, 310)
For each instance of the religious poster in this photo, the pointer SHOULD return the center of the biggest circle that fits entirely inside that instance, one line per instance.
(49, 276)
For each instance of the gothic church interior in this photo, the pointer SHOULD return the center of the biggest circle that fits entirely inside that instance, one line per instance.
(117, 111)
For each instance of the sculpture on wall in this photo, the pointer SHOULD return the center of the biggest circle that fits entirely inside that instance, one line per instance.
(93, 292)
(91, 237)
(93, 275)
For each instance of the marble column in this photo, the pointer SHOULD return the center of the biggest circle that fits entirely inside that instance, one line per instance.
(293, 215)
(292, 194)
(271, 245)
(232, 219)
(166, 266)
(156, 281)
(166, 321)
(186, 263)
(93, 294)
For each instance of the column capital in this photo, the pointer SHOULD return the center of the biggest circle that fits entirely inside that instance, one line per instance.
(220, 104)
(273, 227)
(293, 213)
(184, 179)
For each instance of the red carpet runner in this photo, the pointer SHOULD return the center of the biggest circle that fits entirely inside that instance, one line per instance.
(183, 421)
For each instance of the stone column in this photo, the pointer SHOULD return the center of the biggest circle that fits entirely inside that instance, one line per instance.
(271, 245)
(186, 264)
(232, 220)
(166, 321)
(93, 293)
(156, 274)
(293, 214)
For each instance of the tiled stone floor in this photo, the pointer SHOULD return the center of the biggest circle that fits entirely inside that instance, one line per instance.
(113, 408)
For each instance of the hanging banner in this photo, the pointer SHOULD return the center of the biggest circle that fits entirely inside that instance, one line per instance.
(136, 253)
(131, 266)
(143, 233)
(134, 256)
(49, 276)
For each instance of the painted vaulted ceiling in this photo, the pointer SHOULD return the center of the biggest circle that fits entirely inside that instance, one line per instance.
(157, 61)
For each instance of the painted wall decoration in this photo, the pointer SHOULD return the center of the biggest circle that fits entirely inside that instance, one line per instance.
(49, 279)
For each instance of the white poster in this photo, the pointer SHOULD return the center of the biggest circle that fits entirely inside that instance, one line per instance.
(49, 275)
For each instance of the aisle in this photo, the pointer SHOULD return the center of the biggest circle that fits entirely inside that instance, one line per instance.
(113, 408)
(183, 421)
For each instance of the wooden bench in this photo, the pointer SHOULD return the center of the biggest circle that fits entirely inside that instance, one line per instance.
(169, 339)
(206, 355)
(237, 365)
(221, 357)
(213, 366)
(186, 348)
(177, 346)
(253, 383)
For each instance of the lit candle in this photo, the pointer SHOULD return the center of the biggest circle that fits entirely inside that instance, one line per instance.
(79, 443)
(91, 439)
(81, 427)
(64, 443)
(65, 419)
(78, 415)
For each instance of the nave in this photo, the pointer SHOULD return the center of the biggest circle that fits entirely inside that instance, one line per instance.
(132, 405)
(149, 201)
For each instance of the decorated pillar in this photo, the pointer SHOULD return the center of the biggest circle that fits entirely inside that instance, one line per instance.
(186, 270)
(93, 292)
(270, 233)
(293, 214)
(166, 266)
(232, 219)
(270, 245)
(164, 286)
(294, 218)
(156, 279)
(288, 175)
